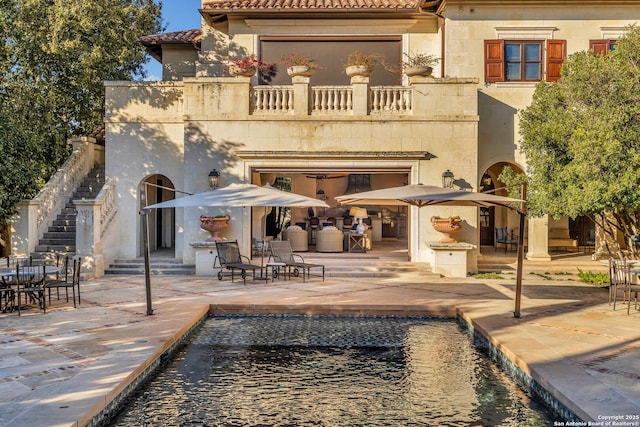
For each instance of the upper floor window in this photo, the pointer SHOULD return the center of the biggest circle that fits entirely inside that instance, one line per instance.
(522, 61)
(602, 47)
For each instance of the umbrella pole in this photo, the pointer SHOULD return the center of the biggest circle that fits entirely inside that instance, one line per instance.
(147, 255)
(522, 212)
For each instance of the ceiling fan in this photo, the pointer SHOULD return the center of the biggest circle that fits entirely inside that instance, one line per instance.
(323, 176)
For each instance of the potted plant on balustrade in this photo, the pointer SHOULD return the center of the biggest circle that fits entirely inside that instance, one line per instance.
(420, 64)
(248, 65)
(299, 65)
(362, 64)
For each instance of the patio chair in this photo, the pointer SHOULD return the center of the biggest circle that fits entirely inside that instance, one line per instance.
(619, 279)
(229, 258)
(503, 237)
(64, 281)
(31, 282)
(280, 251)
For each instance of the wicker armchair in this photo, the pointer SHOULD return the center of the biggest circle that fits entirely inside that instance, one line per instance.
(297, 237)
(329, 239)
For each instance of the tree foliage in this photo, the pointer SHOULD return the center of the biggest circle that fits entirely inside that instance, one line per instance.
(54, 57)
(581, 137)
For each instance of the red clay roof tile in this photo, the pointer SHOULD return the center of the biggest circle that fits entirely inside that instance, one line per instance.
(309, 5)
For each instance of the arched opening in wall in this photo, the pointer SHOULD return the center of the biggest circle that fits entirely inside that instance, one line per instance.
(499, 227)
(158, 188)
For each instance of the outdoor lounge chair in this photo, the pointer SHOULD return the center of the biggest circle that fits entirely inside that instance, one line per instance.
(229, 258)
(280, 251)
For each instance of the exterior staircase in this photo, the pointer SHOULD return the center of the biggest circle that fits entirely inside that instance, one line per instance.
(61, 235)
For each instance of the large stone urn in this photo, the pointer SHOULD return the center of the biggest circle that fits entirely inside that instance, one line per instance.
(213, 224)
(447, 226)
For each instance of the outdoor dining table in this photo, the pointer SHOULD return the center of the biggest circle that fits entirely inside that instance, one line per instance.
(9, 273)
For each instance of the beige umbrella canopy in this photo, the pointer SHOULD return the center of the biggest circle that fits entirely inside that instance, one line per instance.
(425, 195)
(429, 195)
(241, 195)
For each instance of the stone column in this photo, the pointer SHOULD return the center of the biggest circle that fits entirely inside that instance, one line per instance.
(538, 239)
(88, 240)
(24, 228)
(301, 95)
(360, 86)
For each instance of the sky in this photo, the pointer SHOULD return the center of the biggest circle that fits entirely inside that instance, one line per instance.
(176, 15)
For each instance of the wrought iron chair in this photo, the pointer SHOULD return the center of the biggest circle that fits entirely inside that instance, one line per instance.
(280, 251)
(503, 237)
(31, 282)
(65, 281)
(229, 258)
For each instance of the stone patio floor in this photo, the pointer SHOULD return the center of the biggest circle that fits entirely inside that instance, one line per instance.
(62, 367)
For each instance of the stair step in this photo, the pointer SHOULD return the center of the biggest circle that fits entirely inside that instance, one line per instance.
(63, 228)
(71, 235)
(55, 248)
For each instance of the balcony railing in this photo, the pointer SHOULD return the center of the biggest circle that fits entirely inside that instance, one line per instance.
(391, 99)
(331, 99)
(334, 99)
(272, 99)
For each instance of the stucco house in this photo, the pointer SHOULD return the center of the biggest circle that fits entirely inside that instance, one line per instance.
(331, 134)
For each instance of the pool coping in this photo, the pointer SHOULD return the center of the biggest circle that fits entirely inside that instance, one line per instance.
(517, 369)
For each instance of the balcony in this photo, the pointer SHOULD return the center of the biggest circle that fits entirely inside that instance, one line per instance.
(236, 98)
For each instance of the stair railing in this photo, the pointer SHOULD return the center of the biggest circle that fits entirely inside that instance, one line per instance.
(36, 215)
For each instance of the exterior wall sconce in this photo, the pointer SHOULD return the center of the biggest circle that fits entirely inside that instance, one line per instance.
(214, 179)
(447, 179)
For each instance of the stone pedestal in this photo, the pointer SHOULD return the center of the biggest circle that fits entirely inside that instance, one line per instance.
(449, 259)
(205, 256)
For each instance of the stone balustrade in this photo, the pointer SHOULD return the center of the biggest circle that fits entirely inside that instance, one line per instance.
(273, 99)
(36, 215)
(391, 99)
(332, 99)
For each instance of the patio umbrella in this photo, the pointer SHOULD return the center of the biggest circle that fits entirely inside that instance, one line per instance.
(233, 195)
(429, 195)
(425, 195)
(241, 195)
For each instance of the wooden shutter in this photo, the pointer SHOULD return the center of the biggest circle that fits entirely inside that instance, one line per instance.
(493, 61)
(556, 54)
(600, 47)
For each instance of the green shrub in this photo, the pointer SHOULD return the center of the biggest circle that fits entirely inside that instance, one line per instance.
(487, 276)
(598, 279)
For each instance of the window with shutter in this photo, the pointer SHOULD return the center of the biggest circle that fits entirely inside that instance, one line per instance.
(601, 47)
(522, 60)
(556, 54)
(494, 61)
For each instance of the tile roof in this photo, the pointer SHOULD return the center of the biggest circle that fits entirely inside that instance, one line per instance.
(153, 43)
(308, 5)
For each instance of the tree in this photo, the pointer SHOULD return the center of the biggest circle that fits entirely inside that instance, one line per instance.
(581, 138)
(54, 57)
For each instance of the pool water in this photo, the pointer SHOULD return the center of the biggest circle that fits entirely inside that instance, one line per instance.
(331, 371)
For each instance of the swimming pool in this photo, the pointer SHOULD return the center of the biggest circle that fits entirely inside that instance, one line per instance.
(331, 371)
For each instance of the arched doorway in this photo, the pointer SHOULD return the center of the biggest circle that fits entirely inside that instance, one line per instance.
(158, 188)
(493, 217)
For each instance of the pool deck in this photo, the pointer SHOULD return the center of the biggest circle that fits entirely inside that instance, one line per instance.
(63, 367)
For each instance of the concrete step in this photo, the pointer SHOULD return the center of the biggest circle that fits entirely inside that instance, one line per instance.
(365, 268)
(56, 248)
(63, 228)
(165, 266)
(59, 234)
(56, 241)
